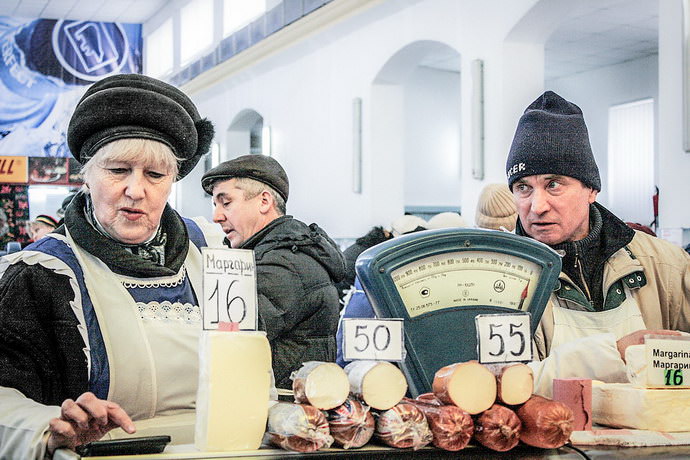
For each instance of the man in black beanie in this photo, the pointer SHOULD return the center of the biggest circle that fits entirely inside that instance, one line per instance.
(616, 283)
(297, 265)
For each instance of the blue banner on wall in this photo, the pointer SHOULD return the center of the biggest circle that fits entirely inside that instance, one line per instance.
(45, 67)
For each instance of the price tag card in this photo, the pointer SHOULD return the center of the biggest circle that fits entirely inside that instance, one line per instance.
(229, 284)
(504, 338)
(668, 361)
(377, 339)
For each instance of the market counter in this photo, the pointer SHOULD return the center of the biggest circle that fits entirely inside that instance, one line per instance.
(184, 452)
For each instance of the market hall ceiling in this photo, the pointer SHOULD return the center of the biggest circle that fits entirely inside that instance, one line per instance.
(597, 34)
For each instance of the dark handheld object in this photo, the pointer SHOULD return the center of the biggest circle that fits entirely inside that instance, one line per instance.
(130, 446)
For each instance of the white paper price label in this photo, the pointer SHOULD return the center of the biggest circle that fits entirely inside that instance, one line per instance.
(668, 361)
(229, 285)
(504, 338)
(376, 339)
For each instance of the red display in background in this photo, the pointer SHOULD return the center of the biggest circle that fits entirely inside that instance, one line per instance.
(46, 170)
(14, 214)
(73, 168)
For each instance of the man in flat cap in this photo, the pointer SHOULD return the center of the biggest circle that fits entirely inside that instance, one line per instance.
(616, 283)
(297, 265)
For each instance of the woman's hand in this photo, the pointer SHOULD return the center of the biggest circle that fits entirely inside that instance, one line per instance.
(637, 338)
(84, 420)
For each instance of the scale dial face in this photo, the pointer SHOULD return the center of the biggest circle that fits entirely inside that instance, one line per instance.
(466, 278)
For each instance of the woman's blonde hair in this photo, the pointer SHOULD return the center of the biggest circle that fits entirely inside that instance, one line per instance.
(156, 155)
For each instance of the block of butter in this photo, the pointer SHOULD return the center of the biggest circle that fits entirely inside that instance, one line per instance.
(624, 405)
(233, 394)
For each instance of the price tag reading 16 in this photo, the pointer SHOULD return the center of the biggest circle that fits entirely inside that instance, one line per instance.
(504, 338)
(229, 282)
(377, 339)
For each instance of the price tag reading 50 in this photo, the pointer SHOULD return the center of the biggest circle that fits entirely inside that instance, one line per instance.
(504, 338)
(229, 282)
(376, 339)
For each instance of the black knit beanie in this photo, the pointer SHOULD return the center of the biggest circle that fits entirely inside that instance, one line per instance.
(137, 106)
(552, 138)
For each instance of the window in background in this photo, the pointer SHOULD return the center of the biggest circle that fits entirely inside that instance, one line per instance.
(159, 50)
(46, 199)
(172, 199)
(196, 29)
(631, 161)
(239, 13)
(256, 137)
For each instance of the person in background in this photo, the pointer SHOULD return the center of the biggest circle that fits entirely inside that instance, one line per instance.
(616, 284)
(375, 236)
(65, 202)
(297, 265)
(5, 234)
(42, 225)
(357, 304)
(100, 319)
(446, 220)
(407, 223)
(403, 224)
(496, 208)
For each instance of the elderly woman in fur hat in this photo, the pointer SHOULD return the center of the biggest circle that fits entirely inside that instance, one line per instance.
(97, 315)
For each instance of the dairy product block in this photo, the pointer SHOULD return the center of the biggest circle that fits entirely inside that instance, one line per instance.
(623, 405)
(636, 365)
(233, 393)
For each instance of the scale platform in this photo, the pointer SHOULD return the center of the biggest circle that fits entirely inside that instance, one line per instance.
(437, 281)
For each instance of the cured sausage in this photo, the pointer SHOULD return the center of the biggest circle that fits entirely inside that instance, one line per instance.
(379, 384)
(320, 384)
(545, 423)
(469, 385)
(514, 382)
(298, 427)
(497, 428)
(452, 427)
(351, 424)
(403, 426)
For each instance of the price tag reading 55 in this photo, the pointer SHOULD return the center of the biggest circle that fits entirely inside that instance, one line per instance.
(504, 338)
(229, 282)
(377, 339)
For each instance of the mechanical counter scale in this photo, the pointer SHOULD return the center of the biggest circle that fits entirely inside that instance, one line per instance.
(437, 281)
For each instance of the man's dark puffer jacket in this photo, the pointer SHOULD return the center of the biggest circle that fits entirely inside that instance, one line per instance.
(297, 267)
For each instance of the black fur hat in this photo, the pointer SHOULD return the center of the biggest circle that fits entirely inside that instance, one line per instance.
(137, 106)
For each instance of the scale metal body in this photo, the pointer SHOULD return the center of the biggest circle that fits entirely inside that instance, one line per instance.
(438, 281)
